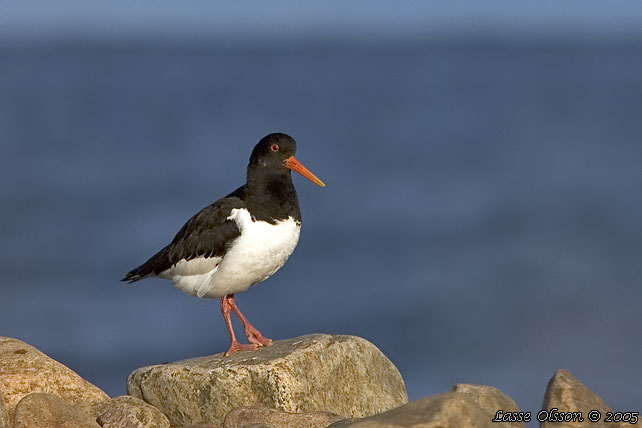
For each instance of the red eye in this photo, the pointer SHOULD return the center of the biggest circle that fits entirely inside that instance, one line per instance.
(275, 147)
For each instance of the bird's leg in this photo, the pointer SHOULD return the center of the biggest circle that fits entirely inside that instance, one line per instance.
(253, 335)
(235, 345)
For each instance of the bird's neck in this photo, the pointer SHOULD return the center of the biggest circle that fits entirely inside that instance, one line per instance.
(271, 197)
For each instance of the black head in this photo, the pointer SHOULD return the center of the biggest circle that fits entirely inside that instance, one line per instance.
(274, 155)
(272, 151)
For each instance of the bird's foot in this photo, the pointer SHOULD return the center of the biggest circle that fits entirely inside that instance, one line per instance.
(238, 346)
(254, 336)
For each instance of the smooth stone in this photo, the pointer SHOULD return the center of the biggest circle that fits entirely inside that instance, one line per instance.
(567, 394)
(44, 410)
(490, 400)
(24, 370)
(244, 416)
(346, 375)
(131, 412)
(448, 410)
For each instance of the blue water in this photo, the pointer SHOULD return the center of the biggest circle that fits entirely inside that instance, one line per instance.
(481, 221)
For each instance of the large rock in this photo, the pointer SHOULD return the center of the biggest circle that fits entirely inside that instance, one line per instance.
(24, 370)
(345, 375)
(48, 411)
(131, 412)
(567, 394)
(491, 400)
(4, 415)
(244, 416)
(470, 406)
(449, 410)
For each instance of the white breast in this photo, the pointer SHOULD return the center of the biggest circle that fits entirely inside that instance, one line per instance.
(253, 257)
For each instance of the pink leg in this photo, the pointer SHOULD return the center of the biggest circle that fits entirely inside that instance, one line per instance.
(253, 335)
(235, 345)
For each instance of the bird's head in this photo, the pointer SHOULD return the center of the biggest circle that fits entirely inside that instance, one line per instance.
(275, 153)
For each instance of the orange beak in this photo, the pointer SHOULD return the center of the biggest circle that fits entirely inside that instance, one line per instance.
(295, 165)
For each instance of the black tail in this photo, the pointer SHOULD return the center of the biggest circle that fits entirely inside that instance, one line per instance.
(155, 265)
(142, 271)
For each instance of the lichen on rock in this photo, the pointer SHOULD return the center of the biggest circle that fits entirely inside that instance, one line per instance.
(44, 410)
(4, 415)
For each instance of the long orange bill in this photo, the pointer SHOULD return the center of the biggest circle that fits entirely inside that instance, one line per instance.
(295, 165)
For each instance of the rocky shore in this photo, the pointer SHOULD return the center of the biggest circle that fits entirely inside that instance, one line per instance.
(313, 381)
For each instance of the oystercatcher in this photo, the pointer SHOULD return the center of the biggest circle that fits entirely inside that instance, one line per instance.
(239, 240)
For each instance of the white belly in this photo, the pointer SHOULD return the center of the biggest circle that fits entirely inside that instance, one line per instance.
(253, 257)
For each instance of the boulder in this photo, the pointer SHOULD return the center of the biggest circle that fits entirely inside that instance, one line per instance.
(244, 416)
(449, 410)
(491, 400)
(44, 410)
(25, 370)
(567, 394)
(346, 375)
(131, 412)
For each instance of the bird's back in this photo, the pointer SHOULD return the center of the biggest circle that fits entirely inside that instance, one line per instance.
(206, 235)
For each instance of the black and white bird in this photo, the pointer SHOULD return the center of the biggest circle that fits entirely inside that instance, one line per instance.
(239, 240)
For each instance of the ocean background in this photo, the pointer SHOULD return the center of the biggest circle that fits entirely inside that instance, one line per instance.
(482, 220)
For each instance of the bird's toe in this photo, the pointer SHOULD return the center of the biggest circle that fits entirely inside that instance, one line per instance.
(257, 338)
(237, 346)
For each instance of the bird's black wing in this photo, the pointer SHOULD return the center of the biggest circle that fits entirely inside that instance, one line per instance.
(207, 234)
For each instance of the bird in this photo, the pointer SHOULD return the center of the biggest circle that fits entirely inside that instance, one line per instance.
(240, 240)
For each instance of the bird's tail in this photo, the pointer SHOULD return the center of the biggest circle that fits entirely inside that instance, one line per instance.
(142, 271)
(156, 264)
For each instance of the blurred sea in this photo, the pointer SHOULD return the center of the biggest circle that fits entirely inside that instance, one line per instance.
(482, 220)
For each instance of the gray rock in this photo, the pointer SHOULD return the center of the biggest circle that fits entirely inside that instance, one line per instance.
(24, 370)
(4, 415)
(567, 394)
(244, 416)
(49, 411)
(449, 410)
(346, 375)
(490, 400)
(131, 412)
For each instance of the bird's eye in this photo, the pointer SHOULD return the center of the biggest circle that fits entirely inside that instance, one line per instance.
(275, 147)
